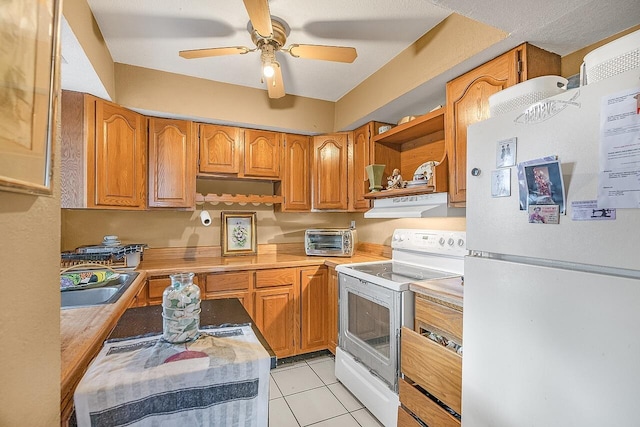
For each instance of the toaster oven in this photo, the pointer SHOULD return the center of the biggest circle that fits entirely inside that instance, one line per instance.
(330, 241)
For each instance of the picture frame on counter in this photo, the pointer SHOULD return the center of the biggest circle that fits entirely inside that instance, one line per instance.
(238, 234)
(30, 34)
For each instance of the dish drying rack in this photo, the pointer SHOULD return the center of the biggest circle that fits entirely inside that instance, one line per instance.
(126, 256)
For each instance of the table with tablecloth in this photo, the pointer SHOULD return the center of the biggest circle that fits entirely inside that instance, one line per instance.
(220, 379)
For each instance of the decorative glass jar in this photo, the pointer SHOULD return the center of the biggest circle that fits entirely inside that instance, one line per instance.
(181, 309)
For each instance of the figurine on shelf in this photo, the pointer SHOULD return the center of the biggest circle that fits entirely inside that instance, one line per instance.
(395, 180)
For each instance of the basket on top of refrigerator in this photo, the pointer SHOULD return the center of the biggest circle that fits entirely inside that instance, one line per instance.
(611, 59)
(522, 95)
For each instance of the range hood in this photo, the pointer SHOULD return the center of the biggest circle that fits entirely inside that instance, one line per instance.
(418, 206)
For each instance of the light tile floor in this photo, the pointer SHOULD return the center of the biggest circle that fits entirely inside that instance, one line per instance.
(307, 393)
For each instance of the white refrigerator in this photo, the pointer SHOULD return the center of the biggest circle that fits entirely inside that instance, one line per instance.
(551, 311)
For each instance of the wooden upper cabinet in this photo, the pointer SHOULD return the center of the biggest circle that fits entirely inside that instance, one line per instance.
(261, 153)
(119, 166)
(361, 154)
(295, 186)
(329, 171)
(220, 148)
(103, 154)
(468, 102)
(359, 158)
(172, 163)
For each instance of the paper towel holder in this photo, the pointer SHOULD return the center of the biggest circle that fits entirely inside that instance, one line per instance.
(205, 218)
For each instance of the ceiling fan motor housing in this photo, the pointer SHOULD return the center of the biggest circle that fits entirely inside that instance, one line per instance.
(277, 40)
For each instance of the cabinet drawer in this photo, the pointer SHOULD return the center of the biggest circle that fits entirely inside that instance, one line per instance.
(405, 419)
(434, 367)
(443, 318)
(156, 286)
(424, 408)
(217, 282)
(276, 277)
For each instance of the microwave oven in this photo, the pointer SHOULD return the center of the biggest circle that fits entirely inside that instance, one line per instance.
(330, 241)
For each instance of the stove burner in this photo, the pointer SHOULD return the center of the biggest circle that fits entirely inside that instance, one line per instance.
(400, 273)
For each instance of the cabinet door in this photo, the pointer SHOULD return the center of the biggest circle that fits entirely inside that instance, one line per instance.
(314, 308)
(243, 296)
(275, 315)
(261, 153)
(330, 171)
(140, 299)
(219, 149)
(359, 158)
(332, 311)
(172, 164)
(296, 180)
(120, 158)
(468, 102)
(230, 285)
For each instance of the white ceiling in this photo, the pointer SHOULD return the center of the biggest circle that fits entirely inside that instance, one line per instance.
(149, 33)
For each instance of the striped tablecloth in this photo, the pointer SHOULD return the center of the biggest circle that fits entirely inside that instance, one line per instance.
(221, 379)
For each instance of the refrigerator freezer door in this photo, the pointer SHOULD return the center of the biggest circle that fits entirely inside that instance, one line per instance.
(549, 347)
(497, 225)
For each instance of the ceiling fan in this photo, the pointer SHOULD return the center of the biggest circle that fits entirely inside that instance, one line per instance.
(269, 34)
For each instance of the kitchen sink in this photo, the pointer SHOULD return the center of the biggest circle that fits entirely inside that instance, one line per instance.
(107, 294)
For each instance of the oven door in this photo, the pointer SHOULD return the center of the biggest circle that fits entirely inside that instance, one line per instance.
(370, 317)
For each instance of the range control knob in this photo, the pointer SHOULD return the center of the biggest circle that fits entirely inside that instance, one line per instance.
(461, 243)
(442, 241)
(451, 242)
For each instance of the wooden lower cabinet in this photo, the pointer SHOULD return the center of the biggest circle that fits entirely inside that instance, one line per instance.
(314, 309)
(155, 287)
(290, 306)
(275, 317)
(422, 407)
(428, 365)
(405, 419)
(332, 310)
(276, 308)
(229, 285)
(140, 299)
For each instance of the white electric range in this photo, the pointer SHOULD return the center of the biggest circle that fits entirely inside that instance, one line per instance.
(375, 302)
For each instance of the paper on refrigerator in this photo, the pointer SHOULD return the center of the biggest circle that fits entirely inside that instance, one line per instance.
(619, 174)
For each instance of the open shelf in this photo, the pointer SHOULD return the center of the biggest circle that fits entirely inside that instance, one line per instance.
(422, 125)
(398, 192)
(238, 198)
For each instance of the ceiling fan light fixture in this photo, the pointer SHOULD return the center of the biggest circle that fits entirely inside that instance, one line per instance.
(267, 70)
(268, 58)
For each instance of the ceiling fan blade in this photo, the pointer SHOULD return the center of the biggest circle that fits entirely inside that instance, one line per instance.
(275, 85)
(324, 53)
(260, 17)
(216, 51)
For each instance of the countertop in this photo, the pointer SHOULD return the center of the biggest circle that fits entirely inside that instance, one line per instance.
(83, 330)
(450, 290)
(215, 312)
(258, 262)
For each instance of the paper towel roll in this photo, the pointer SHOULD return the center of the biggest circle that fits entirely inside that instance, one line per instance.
(205, 218)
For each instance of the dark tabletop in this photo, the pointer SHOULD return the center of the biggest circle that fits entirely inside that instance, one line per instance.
(215, 312)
